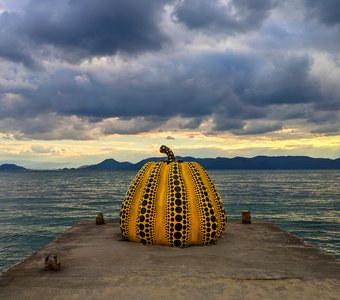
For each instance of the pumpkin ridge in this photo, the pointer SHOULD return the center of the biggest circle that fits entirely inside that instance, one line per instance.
(193, 223)
(161, 203)
(145, 224)
(207, 213)
(176, 209)
(185, 206)
(215, 200)
(168, 233)
(197, 203)
(136, 203)
(130, 197)
(223, 214)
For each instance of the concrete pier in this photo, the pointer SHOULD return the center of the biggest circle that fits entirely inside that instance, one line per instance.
(250, 261)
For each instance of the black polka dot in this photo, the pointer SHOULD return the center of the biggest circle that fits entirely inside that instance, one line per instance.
(178, 227)
(178, 218)
(177, 235)
(177, 243)
(178, 209)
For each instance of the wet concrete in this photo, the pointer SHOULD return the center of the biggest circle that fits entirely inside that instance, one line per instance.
(250, 261)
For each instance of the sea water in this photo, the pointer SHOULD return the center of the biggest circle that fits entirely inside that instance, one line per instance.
(36, 207)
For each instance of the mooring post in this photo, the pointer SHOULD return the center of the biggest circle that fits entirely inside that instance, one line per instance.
(100, 219)
(246, 217)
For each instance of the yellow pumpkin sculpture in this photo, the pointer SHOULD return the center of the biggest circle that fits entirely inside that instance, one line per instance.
(172, 203)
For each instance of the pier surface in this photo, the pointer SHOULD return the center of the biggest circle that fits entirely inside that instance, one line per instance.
(250, 261)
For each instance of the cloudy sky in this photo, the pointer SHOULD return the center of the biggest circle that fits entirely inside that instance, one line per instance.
(83, 80)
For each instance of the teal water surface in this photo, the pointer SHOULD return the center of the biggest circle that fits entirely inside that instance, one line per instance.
(36, 207)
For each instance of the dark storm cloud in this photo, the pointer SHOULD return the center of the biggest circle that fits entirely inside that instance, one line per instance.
(224, 123)
(328, 129)
(132, 125)
(233, 113)
(328, 102)
(80, 29)
(14, 46)
(326, 11)
(274, 73)
(236, 16)
(323, 117)
(193, 123)
(49, 127)
(229, 87)
(190, 86)
(180, 90)
(261, 128)
(285, 81)
(295, 29)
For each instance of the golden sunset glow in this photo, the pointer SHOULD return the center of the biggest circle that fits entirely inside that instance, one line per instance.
(137, 147)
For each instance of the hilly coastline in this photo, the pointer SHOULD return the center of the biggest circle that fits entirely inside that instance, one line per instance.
(11, 167)
(237, 163)
(219, 163)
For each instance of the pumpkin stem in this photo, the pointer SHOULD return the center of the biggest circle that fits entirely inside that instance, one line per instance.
(168, 152)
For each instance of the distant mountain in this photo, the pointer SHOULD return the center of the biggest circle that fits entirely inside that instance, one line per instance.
(270, 163)
(236, 163)
(109, 164)
(219, 163)
(11, 167)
